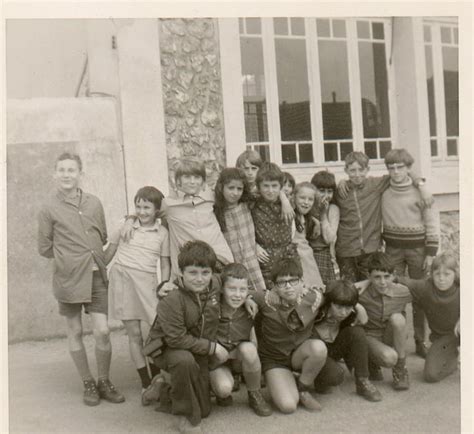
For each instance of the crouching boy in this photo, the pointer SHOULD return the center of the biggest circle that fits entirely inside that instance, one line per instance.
(235, 326)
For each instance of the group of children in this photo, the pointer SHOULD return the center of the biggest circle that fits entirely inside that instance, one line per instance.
(256, 276)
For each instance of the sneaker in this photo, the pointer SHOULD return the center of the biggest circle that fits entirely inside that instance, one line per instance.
(224, 402)
(152, 392)
(108, 392)
(258, 404)
(367, 390)
(375, 372)
(400, 378)
(91, 394)
(236, 386)
(309, 402)
(421, 349)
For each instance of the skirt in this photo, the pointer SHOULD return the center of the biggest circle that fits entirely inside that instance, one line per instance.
(132, 294)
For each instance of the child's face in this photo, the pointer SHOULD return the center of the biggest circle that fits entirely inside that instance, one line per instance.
(356, 172)
(304, 200)
(196, 279)
(190, 184)
(250, 171)
(380, 280)
(443, 278)
(288, 287)
(233, 191)
(270, 190)
(324, 194)
(67, 175)
(287, 189)
(398, 172)
(146, 212)
(339, 311)
(235, 292)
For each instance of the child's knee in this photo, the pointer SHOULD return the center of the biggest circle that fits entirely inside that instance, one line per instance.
(398, 321)
(135, 335)
(223, 387)
(75, 333)
(389, 357)
(248, 352)
(287, 405)
(102, 333)
(317, 349)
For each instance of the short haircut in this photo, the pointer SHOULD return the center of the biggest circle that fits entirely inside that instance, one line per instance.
(324, 179)
(380, 262)
(397, 156)
(286, 267)
(150, 194)
(448, 260)
(304, 184)
(358, 157)
(237, 271)
(253, 157)
(269, 172)
(190, 166)
(69, 156)
(198, 254)
(342, 292)
(288, 177)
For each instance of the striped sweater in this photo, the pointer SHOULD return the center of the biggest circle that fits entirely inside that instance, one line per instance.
(407, 224)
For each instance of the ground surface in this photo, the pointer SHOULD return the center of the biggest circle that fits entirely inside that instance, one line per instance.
(45, 396)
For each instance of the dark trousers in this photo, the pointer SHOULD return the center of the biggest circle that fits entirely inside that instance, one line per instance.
(190, 392)
(442, 358)
(354, 268)
(350, 345)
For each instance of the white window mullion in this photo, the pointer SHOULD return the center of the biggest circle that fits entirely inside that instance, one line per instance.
(315, 90)
(392, 95)
(271, 89)
(354, 85)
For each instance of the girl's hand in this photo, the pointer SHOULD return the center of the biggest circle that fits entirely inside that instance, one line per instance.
(427, 264)
(251, 307)
(127, 230)
(317, 227)
(163, 290)
(324, 205)
(343, 188)
(457, 329)
(262, 255)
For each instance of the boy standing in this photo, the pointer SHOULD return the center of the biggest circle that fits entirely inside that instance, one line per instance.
(410, 231)
(72, 231)
(386, 329)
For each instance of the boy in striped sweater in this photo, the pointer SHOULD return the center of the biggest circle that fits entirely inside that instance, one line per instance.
(410, 231)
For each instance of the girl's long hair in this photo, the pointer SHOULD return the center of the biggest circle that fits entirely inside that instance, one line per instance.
(308, 221)
(226, 176)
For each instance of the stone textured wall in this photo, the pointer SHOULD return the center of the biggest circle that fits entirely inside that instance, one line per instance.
(192, 93)
(450, 231)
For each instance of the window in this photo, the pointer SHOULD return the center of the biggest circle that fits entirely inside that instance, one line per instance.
(442, 77)
(315, 89)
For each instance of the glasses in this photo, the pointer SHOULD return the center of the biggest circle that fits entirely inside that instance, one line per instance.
(283, 283)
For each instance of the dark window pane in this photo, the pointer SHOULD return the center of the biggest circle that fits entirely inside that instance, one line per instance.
(451, 90)
(306, 153)
(434, 147)
(446, 35)
(330, 151)
(452, 147)
(339, 28)
(288, 154)
(323, 27)
(346, 148)
(335, 95)
(377, 31)
(427, 33)
(264, 151)
(371, 149)
(385, 146)
(280, 26)
(374, 89)
(431, 93)
(293, 89)
(253, 25)
(241, 25)
(297, 26)
(363, 31)
(456, 36)
(253, 87)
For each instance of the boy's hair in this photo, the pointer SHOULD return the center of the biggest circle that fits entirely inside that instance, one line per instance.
(358, 157)
(237, 271)
(69, 156)
(324, 179)
(342, 292)
(253, 157)
(269, 172)
(190, 166)
(150, 194)
(288, 177)
(448, 260)
(381, 262)
(397, 156)
(198, 254)
(286, 267)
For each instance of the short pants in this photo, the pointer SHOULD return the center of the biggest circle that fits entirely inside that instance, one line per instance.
(282, 362)
(99, 299)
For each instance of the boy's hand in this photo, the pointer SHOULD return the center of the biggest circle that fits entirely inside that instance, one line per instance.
(343, 188)
(427, 264)
(317, 227)
(165, 289)
(272, 299)
(262, 255)
(426, 197)
(251, 307)
(361, 317)
(287, 211)
(221, 354)
(127, 230)
(457, 329)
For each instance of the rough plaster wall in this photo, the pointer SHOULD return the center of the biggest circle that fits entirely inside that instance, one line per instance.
(192, 93)
(450, 231)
